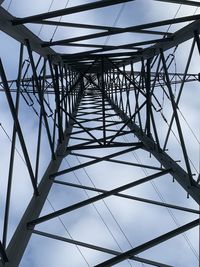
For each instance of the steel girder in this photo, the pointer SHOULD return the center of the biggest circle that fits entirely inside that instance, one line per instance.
(16, 29)
(104, 83)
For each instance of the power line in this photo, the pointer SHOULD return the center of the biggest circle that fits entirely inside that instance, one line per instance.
(41, 27)
(56, 28)
(116, 21)
(174, 17)
(101, 217)
(7, 135)
(9, 5)
(64, 226)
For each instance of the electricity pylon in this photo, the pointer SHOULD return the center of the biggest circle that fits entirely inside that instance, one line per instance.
(118, 94)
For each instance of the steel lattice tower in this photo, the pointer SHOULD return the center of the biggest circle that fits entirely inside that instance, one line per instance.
(102, 105)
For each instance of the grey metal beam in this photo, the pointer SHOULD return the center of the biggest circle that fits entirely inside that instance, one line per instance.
(94, 199)
(12, 154)
(89, 163)
(88, 56)
(82, 127)
(41, 98)
(96, 27)
(18, 128)
(150, 145)
(3, 254)
(69, 11)
(90, 246)
(176, 117)
(149, 244)
(184, 34)
(134, 46)
(117, 161)
(20, 33)
(153, 202)
(180, 36)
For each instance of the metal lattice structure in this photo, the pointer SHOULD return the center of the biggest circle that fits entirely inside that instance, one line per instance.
(102, 105)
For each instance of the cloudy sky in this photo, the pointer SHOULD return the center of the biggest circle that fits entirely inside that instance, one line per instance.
(115, 223)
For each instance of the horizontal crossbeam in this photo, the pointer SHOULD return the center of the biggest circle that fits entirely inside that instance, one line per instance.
(149, 244)
(117, 161)
(162, 204)
(90, 246)
(127, 29)
(86, 164)
(69, 11)
(94, 199)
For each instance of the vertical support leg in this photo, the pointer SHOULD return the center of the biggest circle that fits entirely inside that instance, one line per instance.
(148, 96)
(174, 106)
(18, 127)
(103, 100)
(12, 154)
